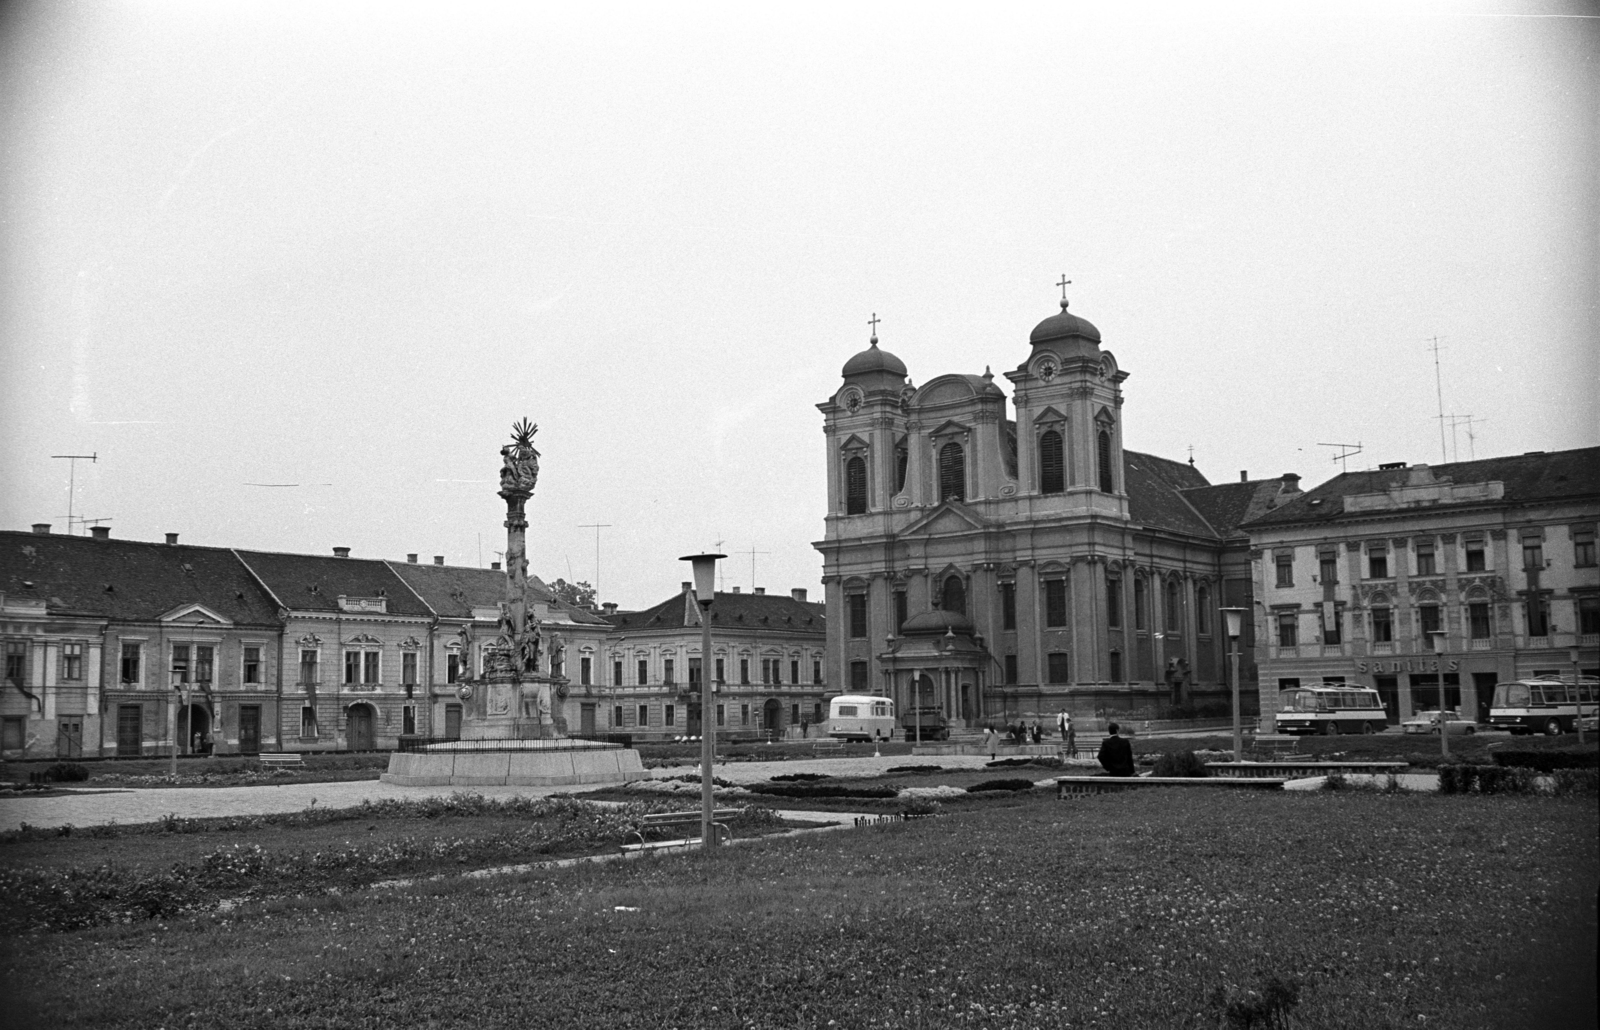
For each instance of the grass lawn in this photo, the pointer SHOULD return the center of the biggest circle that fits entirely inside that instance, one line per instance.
(1151, 909)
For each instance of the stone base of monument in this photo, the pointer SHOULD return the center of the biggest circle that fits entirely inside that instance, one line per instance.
(517, 763)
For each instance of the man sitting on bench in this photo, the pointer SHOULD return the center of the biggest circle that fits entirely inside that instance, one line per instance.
(1116, 754)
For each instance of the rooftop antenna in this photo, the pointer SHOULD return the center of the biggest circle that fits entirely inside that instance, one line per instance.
(1345, 451)
(752, 553)
(1472, 438)
(72, 478)
(1438, 388)
(597, 527)
(722, 577)
(1191, 455)
(1457, 421)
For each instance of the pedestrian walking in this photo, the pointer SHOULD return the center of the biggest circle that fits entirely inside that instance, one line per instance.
(991, 741)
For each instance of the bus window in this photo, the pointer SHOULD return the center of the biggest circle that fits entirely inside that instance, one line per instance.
(1516, 695)
(847, 711)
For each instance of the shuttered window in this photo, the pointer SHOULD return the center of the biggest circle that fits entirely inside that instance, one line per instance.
(855, 486)
(1052, 467)
(952, 473)
(902, 458)
(1107, 484)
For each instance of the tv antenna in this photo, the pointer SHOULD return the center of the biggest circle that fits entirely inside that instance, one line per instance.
(752, 553)
(597, 527)
(1345, 452)
(1457, 421)
(72, 479)
(1438, 389)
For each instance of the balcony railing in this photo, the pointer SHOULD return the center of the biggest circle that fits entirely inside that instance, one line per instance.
(1383, 647)
(1543, 641)
(1480, 644)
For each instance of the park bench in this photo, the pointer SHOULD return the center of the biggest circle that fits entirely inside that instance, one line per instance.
(1272, 747)
(827, 744)
(1298, 770)
(656, 820)
(1077, 786)
(273, 761)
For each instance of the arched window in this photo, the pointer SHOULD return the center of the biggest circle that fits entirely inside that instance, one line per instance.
(1107, 483)
(1141, 617)
(952, 473)
(902, 458)
(1202, 611)
(1174, 607)
(855, 486)
(953, 598)
(1052, 467)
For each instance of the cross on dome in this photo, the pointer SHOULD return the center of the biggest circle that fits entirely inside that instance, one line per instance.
(873, 322)
(1064, 283)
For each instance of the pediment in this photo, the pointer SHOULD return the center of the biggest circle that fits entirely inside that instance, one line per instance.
(189, 614)
(1050, 413)
(854, 442)
(1104, 417)
(949, 517)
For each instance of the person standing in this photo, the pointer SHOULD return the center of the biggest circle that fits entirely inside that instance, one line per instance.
(991, 740)
(1116, 754)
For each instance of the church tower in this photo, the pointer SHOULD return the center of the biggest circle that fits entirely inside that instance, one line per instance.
(1068, 398)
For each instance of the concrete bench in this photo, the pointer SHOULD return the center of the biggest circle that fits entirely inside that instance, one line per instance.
(673, 819)
(829, 744)
(1073, 786)
(1298, 770)
(273, 761)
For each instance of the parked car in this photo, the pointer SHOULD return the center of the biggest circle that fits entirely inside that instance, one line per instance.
(1589, 724)
(1428, 722)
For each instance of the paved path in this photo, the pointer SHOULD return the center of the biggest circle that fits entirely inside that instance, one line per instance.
(90, 807)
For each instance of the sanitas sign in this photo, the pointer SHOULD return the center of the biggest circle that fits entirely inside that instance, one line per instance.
(1407, 666)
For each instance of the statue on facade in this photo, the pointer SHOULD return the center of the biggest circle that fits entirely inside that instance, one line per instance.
(519, 462)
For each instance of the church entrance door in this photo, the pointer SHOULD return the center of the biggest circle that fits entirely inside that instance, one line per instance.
(772, 717)
(358, 728)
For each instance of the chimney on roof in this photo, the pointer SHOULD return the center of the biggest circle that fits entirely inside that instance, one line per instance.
(610, 607)
(686, 586)
(42, 528)
(100, 532)
(411, 559)
(1291, 484)
(494, 566)
(1244, 475)
(172, 538)
(438, 559)
(759, 590)
(737, 589)
(798, 593)
(341, 552)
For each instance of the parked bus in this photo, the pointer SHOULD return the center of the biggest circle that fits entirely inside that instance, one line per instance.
(1331, 708)
(861, 717)
(1542, 705)
(926, 723)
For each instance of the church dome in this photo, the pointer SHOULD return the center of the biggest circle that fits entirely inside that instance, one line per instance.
(874, 360)
(936, 623)
(1062, 326)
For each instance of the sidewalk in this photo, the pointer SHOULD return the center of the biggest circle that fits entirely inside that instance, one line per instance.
(90, 807)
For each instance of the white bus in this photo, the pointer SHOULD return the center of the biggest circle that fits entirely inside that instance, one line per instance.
(1331, 708)
(861, 717)
(1542, 705)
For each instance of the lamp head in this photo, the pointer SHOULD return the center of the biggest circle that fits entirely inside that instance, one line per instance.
(1235, 621)
(705, 575)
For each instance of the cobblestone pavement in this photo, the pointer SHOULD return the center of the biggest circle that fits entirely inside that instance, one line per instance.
(92, 807)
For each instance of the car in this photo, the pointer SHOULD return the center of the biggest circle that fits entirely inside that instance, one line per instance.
(1589, 724)
(1428, 722)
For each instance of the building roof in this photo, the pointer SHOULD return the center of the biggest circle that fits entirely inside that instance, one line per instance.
(454, 591)
(314, 583)
(1539, 476)
(1154, 500)
(1063, 325)
(129, 579)
(1227, 506)
(756, 612)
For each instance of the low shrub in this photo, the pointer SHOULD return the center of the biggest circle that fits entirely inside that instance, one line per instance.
(1003, 763)
(1181, 764)
(1495, 779)
(798, 777)
(908, 769)
(1545, 760)
(1457, 778)
(1000, 785)
(1575, 782)
(919, 806)
(820, 790)
(66, 772)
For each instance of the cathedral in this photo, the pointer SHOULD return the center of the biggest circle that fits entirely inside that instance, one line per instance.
(998, 564)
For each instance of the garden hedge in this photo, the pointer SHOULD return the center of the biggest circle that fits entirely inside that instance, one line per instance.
(1570, 756)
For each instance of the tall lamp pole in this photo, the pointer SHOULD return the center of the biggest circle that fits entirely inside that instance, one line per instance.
(1235, 618)
(705, 589)
(1577, 690)
(1437, 638)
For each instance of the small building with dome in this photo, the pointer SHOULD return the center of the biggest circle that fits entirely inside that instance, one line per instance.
(1003, 558)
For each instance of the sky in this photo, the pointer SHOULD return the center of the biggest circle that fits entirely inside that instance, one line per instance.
(346, 246)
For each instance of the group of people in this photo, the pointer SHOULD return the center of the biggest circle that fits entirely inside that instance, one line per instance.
(1115, 754)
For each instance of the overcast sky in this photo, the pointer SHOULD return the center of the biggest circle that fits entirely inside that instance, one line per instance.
(345, 247)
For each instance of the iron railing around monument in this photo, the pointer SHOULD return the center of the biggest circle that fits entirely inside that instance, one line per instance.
(416, 743)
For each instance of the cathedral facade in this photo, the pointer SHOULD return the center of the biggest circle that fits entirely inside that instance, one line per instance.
(995, 564)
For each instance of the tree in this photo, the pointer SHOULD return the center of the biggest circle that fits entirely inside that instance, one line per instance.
(578, 595)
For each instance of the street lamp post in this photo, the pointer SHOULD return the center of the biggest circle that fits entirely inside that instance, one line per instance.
(1437, 638)
(705, 586)
(1235, 619)
(1577, 690)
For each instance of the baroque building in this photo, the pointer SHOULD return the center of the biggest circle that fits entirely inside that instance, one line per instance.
(768, 667)
(1498, 555)
(993, 564)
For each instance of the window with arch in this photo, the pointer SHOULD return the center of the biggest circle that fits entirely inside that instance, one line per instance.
(1174, 606)
(902, 460)
(1141, 604)
(855, 485)
(952, 473)
(953, 595)
(1202, 611)
(1103, 451)
(1052, 463)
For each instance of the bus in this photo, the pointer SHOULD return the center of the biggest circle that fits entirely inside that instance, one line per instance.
(1331, 708)
(1545, 704)
(861, 717)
